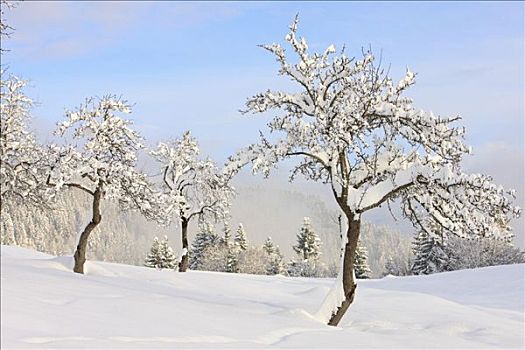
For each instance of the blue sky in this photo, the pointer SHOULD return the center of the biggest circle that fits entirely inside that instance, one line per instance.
(192, 65)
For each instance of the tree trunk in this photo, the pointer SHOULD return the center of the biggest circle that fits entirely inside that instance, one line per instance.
(183, 265)
(349, 285)
(80, 253)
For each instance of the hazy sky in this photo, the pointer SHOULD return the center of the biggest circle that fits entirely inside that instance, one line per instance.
(192, 65)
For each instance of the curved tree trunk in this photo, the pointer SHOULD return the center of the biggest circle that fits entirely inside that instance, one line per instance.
(183, 265)
(80, 253)
(349, 285)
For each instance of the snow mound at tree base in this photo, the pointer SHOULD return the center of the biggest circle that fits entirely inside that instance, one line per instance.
(45, 305)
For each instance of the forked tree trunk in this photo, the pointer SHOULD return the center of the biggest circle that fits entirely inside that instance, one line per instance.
(349, 285)
(183, 265)
(80, 253)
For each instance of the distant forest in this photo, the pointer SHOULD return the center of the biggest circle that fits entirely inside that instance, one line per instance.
(125, 237)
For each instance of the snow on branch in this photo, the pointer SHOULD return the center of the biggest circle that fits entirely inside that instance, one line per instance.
(105, 156)
(352, 126)
(23, 161)
(197, 183)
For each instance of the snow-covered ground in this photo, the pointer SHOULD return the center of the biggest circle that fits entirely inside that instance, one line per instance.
(45, 305)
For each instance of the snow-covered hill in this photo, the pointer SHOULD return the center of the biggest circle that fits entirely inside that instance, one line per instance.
(45, 305)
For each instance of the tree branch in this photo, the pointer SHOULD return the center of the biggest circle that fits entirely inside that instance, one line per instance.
(306, 154)
(386, 197)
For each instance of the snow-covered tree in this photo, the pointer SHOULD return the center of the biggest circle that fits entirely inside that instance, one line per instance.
(390, 267)
(213, 258)
(429, 255)
(269, 246)
(275, 263)
(308, 243)
(227, 233)
(361, 268)
(214, 255)
(204, 239)
(218, 253)
(307, 268)
(102, 164)
(168, 258)
(8, 229)
(154, 258)
(205, 191)
(122, 237)
(232, 259)
(433, 254)
(240, 240)
(161, 255)
(308, 249)
(472, 253)
(383, 242)
(353, 128)
(496, 252)
(23, 163)
(397, 265)
(252, 260)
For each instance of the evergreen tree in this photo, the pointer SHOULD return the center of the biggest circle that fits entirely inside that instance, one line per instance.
(154, 259)
(8, 236)
(269, 246)
(168, 258)
(390, 267)
(397, 265)
(308, 243)
(308, 250)
(204, 239)
(275, 264)
(307, 268)
(227, 233)
(161, 255)
(361, 268)
(429, 255)
(240, 238)
(232, 260)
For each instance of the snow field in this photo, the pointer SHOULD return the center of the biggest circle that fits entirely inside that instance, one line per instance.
(45, 305)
